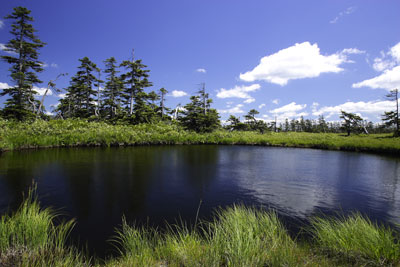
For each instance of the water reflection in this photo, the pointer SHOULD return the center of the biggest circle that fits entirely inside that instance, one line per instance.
(162, 183)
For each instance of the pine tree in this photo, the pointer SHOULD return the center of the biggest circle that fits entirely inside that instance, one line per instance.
(392, 117)
(79, 101)
(135, 80)
(25, 65)
(163, 92)
(194, 118)
(112, 92)
(352, 122)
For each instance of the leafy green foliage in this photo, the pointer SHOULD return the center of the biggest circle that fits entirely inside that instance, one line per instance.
(21, 103)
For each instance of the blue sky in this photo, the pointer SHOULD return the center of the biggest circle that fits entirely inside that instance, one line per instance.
(283, 58)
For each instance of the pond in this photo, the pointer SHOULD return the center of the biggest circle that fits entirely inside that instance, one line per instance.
(159, 184)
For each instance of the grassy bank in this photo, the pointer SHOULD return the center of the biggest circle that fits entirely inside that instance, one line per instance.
(65, 133)
(238, 236)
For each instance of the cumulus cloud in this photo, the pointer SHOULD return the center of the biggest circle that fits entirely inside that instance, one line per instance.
(235, 110)
(41, 91)
(291, 110)
(62, 95)
(348, 11)
(249, 100)
(387, 60)
(371, 108)
(4, 86)
(297, 62)
(238, 91)
(261, 106)
(177, 93)
(388, 80)
(314, 106)
(3, 48)
(201, 70)
(389, 66)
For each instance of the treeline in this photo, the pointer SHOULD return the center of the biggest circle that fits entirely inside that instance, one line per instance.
(351, 123)
(121, 98)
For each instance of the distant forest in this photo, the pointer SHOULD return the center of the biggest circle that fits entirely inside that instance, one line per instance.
(117, 94)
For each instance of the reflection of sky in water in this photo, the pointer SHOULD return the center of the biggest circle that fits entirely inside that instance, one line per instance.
(301, 181)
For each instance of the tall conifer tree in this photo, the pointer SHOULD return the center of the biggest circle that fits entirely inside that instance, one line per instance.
(112, 91)
(79, 101)
(135, 80)
(25, 65)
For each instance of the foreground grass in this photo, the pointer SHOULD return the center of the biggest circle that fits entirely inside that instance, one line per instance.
(29, 237)
(238, 236)
(66, 133)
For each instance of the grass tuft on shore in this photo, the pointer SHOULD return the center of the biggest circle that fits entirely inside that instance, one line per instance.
(29, 237)
(356, 236)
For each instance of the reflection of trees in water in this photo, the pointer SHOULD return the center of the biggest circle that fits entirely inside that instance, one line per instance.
(19, 169)
(198, 166)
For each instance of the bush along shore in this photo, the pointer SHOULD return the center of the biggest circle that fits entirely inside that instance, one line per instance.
(78, 132)
(238, 236)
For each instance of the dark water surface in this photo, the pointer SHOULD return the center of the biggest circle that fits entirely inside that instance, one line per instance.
(97, 186)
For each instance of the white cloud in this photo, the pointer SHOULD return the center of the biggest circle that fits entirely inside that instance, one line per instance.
(62, 95)
(314, 106)
(388, 80)
(395, 52)
(177, 93)
(54, 65)
(261, 106)
(238, 91)
(3, 48)
(235, 110)
(4, 86)
(348, 11)
(49, 113)
(249, 100)
(296, 62)
(1, 24)
(201, 70)
(389, 64)
(41, 91)
(380, 64)
(291, 110)
(275, 101)
(371, 108)
(349, 51)
(387, 59)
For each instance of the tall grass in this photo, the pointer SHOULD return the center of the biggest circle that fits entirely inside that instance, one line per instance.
(356, 236)
(247, 237)
(78, 132)
(29, 237)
